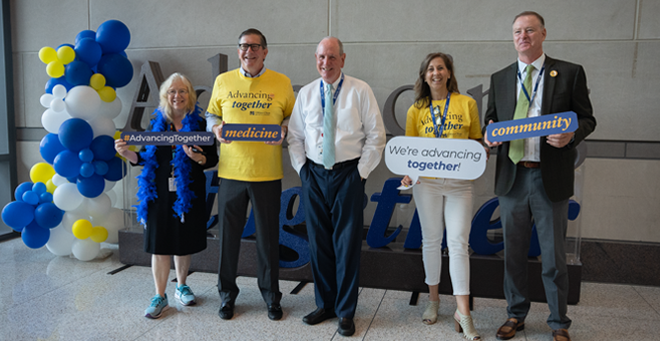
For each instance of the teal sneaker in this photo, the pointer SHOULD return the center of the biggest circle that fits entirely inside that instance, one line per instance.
(184, 295)
(158, 304)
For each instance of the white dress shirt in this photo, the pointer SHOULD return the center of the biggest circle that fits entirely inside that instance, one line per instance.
(360, 131)
(532, 145)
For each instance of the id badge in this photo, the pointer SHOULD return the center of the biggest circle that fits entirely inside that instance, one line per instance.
(171, 183)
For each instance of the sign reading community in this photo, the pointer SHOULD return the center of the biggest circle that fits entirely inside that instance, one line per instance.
(167, 138)
(438, 158)
(251, 132)
(544, 125)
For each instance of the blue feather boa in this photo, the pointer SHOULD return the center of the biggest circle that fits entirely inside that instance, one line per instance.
(182, 166)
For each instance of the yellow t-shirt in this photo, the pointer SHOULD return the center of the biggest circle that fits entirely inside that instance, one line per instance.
(462, 120)
(266, 99)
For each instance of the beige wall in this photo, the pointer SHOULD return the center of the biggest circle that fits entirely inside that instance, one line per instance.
(617, 41)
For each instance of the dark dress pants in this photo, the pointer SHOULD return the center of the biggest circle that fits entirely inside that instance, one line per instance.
(527, 200)
(233, 198)
(333, 202)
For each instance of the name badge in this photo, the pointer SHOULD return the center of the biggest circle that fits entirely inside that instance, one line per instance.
(171, 184)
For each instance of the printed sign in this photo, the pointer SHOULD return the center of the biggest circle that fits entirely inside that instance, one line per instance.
(544, 125)
(434, 157)
(252, 132)
(167, 138)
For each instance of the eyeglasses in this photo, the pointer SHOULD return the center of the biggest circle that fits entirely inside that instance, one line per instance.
(174, 92)
(245, 47)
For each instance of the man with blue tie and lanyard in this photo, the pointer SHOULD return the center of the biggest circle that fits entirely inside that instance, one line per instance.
(336, 138)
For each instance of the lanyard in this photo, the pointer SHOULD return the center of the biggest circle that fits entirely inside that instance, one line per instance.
(334, 98)
(439, 129)
(536, 87)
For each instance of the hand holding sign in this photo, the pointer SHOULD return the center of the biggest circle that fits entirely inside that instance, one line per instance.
(431, 157)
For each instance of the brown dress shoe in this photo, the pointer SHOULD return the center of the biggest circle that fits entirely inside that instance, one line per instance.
(509, 329)
(560, 335)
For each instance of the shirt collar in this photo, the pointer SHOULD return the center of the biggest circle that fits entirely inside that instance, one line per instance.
(538, 64)
(248, 75)
(336, 82)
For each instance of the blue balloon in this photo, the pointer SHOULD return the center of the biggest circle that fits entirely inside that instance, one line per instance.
(17, 215)
(35, 236)
(39, 188)
(49, 147)
(48, 215)
(116, 169)
(100, 167)
(72, 179)
(103, 147)
(55, 81)
(116, 69)
(78, 73)
(86, 155)
(65, 44)
(113, 36)
(45, 197)
(31, 198)
(85, 34)
(75, 134)
(22, 188)
(88, 51)
(91, 187)
(87, 169)
(67, 164)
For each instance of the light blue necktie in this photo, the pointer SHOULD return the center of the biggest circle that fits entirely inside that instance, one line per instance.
(328, 130)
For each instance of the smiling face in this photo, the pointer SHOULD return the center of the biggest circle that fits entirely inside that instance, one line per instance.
(437, 76)
(528, 37)
(252, 60)
(329, 60)
(177, 97)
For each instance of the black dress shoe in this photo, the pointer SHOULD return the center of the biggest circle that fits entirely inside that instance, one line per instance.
(275, 311)
(226, 311)
(346, 326)
(319, 315)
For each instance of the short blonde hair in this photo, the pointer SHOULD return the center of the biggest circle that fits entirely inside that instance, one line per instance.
(164, 103)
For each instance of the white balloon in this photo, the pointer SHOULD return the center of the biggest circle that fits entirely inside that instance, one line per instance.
(102, 126)
(45, 100)
(109, 185)
(59, 180)
(99, 206)
(60, 241)
(113, 222)
(113, 197)
(83, 102)
(110, 110)
(85, 250)
(57, 105)
(51, 120)
(66, 197)
(59, 91)
(70, 217)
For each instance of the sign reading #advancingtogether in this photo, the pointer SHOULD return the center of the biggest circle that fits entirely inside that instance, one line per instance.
(544, 125)
(251, 132)
(167, 138)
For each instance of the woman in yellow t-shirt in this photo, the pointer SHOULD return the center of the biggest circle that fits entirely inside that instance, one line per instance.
(440, 111)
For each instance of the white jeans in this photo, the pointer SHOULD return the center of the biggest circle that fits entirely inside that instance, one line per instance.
(447, 202)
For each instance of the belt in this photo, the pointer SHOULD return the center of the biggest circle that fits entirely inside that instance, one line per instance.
(338, 165)
(529, 164)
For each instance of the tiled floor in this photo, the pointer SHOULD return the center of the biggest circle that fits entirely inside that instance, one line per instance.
(43, 297)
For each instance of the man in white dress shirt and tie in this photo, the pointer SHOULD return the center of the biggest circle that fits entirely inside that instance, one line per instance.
(336, 138)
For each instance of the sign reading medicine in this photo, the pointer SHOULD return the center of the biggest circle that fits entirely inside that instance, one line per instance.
(252, 132)
(544, 125)
(433, 157)
(167, 138)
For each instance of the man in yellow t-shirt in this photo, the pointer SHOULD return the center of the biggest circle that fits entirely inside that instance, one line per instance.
(250, 171)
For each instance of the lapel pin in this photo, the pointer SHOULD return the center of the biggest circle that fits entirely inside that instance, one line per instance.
(553, 73)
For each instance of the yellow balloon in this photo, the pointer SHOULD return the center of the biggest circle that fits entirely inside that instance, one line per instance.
(82, 229)
(97, 81)
(47, 54)
(99, 234)
(55, 69)
(41, 172)
(50, 186)
(107, 94)
(66, 54)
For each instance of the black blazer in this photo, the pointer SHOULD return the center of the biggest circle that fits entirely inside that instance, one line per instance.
(566, 91)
